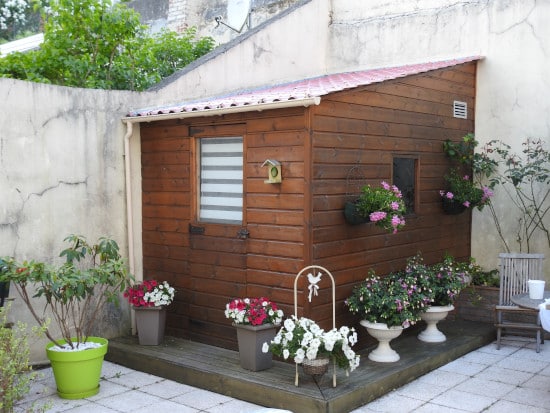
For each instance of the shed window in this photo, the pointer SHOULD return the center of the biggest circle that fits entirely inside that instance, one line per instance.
(404, 177)
(221, 180)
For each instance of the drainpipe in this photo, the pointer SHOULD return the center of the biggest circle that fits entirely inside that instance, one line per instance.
(129, 204)
(129, 209)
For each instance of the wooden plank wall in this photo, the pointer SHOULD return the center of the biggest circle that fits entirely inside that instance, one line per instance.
(165, 159)
(210, 269)
(365, 128)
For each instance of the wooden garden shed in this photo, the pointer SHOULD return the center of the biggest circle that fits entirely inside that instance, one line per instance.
(217, 228)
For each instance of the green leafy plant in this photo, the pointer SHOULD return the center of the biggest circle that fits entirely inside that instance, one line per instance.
(301, 338)
(396, 300)
(16, 373)
(464, 153)
(446, 280)
(106, 47)
(461, 189)
(75, 292)
(466, 182)
(382, 205)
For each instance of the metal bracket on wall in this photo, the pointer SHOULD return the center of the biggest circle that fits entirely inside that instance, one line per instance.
(193, 229)
(243, 233)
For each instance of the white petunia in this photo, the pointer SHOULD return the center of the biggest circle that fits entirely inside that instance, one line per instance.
(289, 324)
(311, 353)
(299, 357)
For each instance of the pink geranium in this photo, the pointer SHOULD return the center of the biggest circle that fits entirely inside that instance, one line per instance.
(383, 205)
(377, 216)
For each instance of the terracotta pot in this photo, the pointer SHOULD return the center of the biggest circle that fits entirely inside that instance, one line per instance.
(251, 339)
(150, 323)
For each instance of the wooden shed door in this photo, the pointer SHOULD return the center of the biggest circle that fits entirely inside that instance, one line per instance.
(217, 230)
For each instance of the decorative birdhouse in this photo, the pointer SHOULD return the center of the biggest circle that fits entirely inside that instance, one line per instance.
(273, 171)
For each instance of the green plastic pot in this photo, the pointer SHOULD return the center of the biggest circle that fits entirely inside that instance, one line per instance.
(77, 373)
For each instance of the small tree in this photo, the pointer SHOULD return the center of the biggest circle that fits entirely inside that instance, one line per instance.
(525, 178)
(95, 44)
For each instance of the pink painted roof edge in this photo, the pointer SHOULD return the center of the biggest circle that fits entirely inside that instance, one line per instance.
(301, 89)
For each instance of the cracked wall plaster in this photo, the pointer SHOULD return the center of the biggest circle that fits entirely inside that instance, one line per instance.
(61, 172)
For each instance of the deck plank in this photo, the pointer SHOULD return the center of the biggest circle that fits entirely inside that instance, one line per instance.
(218, 370)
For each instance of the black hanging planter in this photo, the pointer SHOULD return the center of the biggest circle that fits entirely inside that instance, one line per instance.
(352, 215)
(4, 292)
(452, 207)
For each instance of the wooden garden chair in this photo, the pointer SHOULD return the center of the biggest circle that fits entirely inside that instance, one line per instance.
(515, 269)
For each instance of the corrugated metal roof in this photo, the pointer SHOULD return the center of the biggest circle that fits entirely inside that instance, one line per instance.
(295, 91)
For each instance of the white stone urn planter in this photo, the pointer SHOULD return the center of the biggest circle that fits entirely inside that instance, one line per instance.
(384, 334)
(432, 316)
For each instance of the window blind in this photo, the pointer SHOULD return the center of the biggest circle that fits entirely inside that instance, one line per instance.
(221, 180)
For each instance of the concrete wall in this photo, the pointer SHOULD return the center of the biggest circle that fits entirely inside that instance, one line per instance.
(177, 15)
(61, 172)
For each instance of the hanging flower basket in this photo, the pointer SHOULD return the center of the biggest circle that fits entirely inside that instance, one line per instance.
(352, 215)
(316, 367)
(452, 207)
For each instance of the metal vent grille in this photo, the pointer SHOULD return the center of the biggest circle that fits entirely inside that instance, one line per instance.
(460, 109)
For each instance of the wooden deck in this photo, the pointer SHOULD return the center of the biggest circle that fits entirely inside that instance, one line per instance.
(218, 369)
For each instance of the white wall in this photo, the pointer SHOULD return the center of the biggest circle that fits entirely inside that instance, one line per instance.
(61, 172)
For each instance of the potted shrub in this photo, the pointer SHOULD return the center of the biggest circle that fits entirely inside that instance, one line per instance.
(382, 205)
(387, 306)
(256, 321)
(76, 293)
(303, 341)
(149, 300)
(445, 281)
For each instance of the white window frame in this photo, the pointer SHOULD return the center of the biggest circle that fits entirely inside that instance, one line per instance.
(220, 180)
